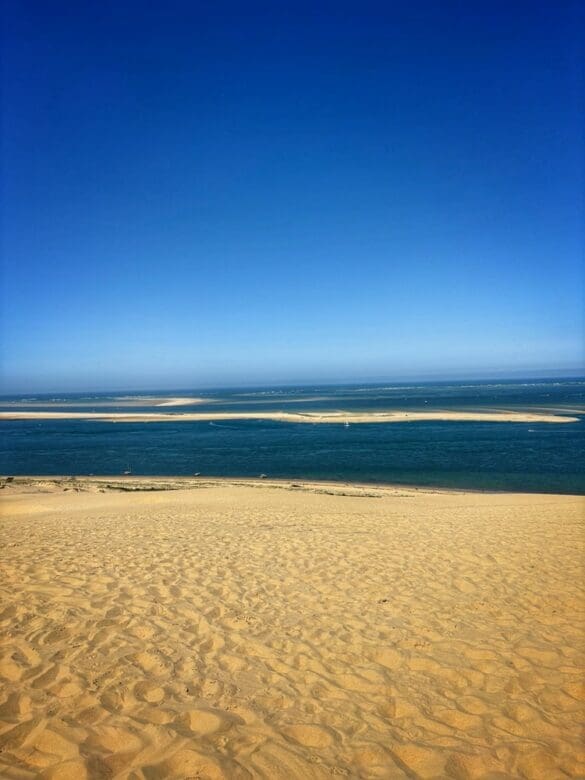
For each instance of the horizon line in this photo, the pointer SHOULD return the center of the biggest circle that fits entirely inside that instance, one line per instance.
(544, 375)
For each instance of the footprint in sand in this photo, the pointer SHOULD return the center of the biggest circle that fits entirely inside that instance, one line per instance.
(10, 670)
(67, 689)
(68, 770)
(187, 763)
(539, 657)
(389, 658)
(51, 675)
(152, 663)
(149, 692)
(53, 744)
(17, 705)
(203, 722)
(310, 736)
(114, 739)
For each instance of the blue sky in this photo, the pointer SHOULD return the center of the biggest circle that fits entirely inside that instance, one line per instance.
(227, 193)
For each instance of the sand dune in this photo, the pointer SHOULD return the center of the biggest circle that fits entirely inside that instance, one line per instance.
(269, 631)
(296, 417)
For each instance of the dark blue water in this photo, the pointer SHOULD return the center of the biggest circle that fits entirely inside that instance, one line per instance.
(495, 456)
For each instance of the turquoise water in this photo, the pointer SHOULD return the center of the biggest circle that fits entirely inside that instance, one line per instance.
(493, 456)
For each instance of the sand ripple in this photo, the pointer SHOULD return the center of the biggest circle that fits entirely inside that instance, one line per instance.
(238, 632)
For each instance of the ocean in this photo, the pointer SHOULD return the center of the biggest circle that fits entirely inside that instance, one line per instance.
(532, 457)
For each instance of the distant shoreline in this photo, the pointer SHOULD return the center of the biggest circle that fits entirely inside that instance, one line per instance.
(344, 418)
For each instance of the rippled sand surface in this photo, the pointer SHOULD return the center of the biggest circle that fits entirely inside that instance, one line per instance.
(271, 631)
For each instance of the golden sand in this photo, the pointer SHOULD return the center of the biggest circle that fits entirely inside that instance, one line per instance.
(296, 417)
(261, 630)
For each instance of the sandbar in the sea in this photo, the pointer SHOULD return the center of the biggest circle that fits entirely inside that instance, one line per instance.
(298, 417)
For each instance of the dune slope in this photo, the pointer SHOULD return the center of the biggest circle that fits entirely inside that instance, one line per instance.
(266, 631)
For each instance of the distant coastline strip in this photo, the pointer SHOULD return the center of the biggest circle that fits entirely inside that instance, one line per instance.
(296, 417)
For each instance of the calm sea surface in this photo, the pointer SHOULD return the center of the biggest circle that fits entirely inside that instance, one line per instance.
(494, 456)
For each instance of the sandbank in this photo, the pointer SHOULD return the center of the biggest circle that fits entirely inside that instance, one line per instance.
(162, 628)
(297, 417)
(186, 401)
(118, 400)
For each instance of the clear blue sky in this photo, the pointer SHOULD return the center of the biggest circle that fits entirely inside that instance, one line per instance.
(208, 193)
